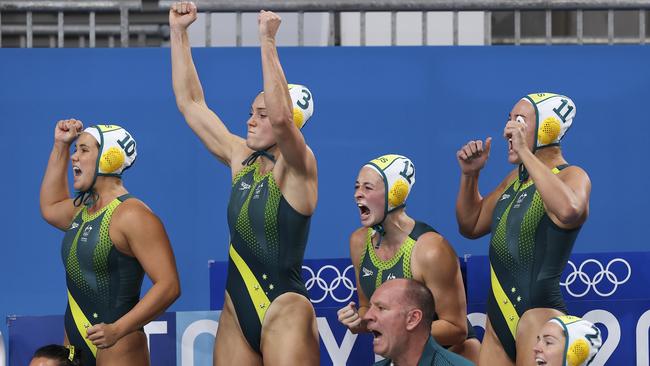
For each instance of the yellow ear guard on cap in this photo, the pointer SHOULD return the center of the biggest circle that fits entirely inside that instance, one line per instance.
(583, 340)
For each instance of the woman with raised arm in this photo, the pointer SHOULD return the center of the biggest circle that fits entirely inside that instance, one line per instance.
(111, 240)
(267, 317)
(534, 216)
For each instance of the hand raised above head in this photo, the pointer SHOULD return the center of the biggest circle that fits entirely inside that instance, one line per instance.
(269, 23)
(182, 14)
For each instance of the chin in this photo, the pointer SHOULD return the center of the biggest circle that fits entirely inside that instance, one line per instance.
(513, 158)
(369, 222)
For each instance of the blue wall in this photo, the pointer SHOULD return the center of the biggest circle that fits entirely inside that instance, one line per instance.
(420, 102)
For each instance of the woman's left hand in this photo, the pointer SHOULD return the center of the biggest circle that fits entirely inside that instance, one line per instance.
(515, 132)
(103, 335)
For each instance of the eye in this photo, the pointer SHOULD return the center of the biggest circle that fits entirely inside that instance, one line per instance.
(263, 115)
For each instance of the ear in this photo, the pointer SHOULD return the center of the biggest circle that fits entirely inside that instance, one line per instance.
(413, 319)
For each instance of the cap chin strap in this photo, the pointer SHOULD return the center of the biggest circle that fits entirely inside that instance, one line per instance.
(87, 198)
(380, 226)
(256, 154)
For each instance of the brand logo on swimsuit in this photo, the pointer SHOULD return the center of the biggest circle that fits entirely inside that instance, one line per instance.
(390, 277)
(366, 272)
(329, 279)
(84, 235)
(520, 199)
(580, 281)
(258, 189)
(74, 226)
(244, 186)
(504, 197)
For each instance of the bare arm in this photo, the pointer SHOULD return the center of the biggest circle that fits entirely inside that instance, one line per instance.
(473, 211)
(136, 227)
(565, 195)
(439, 270)
(350, 315)
(188, 91)
(277, 99)
(57, 207)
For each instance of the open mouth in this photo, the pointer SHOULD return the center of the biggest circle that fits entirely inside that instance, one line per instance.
(540, 361)
(364, 211)
(376, 336)
(76, 171)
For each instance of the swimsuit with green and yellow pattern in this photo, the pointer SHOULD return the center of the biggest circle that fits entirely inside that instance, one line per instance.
(103, 283)
(373, 271)
(267, 244)
(528, 252)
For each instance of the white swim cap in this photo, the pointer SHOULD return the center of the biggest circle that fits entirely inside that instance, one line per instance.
(303, 104)
(554, 115)
(398, 173)
(583, 340)
(117, 149)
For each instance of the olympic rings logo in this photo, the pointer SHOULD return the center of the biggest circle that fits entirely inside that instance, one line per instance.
(328, 288)
(602, 273)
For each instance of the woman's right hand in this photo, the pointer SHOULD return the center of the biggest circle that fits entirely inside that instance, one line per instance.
(473, 156)
(349, 316)
(67, 130)
(182, 14)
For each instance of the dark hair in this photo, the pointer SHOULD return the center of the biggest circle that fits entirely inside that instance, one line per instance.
(64, 355)
(419, 296)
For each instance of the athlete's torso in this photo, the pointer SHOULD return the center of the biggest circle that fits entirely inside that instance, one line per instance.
(103, 283)
(527, 250)
(266, 232)
(373, 271)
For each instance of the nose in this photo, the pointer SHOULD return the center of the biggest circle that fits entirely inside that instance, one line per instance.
(251, 121)
(74, 157)
(537, 349)
(370, 314)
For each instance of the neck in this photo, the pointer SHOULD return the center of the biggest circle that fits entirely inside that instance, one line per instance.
(414, 347)
(265, 163)
(551, 156)
(397, 225)
(107, 188)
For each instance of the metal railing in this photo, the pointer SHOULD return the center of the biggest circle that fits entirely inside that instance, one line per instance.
(333, 8)
(91, 29)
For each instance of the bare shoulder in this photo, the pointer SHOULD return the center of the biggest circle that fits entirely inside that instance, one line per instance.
(433, 247)
(574, 172)
(508, 180)
(358, 242)
(133, 213)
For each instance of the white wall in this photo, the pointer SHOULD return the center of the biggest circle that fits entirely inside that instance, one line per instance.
(316, 29)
